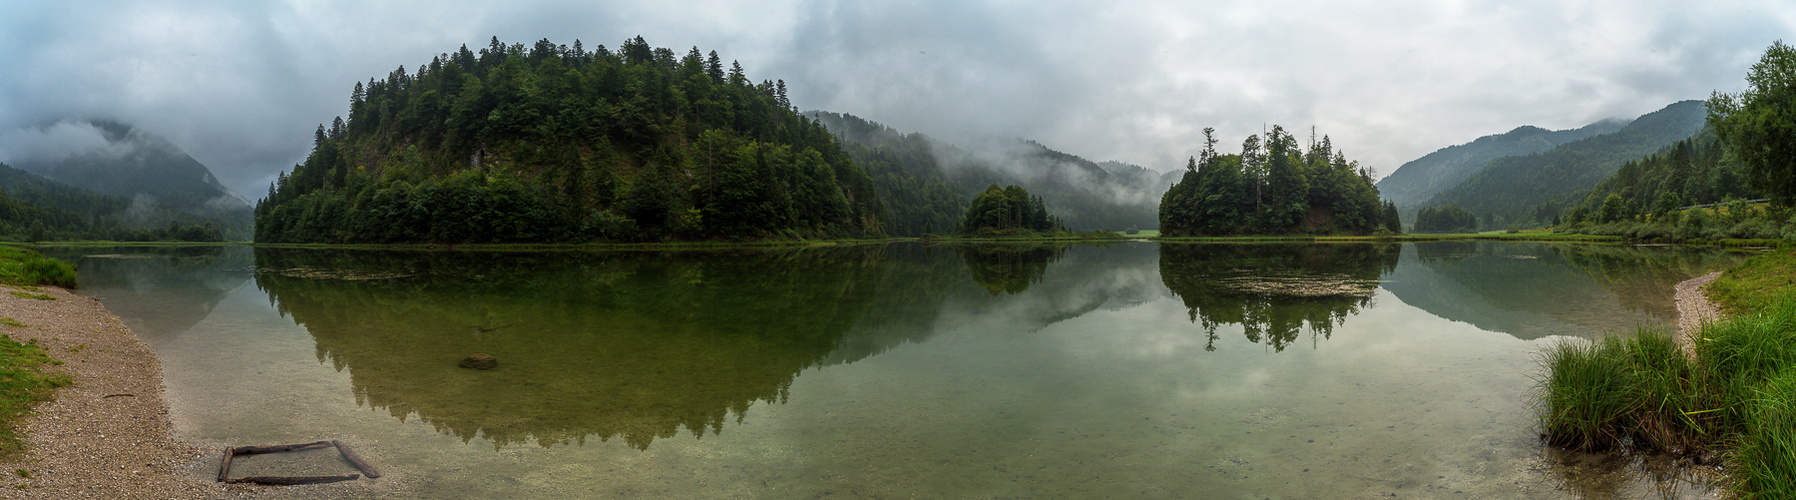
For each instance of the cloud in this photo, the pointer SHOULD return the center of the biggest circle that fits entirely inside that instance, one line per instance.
(241, 85)
(58, 141)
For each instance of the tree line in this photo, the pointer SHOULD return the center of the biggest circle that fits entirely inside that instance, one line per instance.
(1274, 186)
(1006, 211)
(551, 143)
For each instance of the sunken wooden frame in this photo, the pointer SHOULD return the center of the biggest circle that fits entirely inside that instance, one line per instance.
(224, 468)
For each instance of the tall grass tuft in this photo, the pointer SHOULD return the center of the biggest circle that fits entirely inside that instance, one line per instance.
(1588, 394)
(1765, 456)
(1664, 390)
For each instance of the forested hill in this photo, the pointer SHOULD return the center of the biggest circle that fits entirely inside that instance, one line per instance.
(1531, 189)
(927, 182)
(1416, 181)
(149, 171)
(1690, 172)
(552, 143)
(33, 208)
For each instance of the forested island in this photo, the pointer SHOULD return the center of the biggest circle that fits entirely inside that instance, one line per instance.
(552, 143)
(1275, 186)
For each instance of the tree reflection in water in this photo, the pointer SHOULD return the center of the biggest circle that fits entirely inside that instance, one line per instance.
(632, 345)
(1272, 291)
(1008, 268)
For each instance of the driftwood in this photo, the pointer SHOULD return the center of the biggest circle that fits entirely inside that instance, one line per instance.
(224, 467)
(288, 481)
(256, 450)
(356, 460)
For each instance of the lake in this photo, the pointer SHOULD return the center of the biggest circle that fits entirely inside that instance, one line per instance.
(902, 370)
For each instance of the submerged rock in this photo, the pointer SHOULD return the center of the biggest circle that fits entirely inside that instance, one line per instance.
(480, 361)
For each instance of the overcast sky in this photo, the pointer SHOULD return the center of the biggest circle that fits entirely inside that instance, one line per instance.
(241, 85)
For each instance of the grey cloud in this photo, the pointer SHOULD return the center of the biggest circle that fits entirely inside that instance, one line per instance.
(240, 85)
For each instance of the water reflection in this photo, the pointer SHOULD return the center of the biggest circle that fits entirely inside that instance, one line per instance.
(1008, 268)
(160, 292)
(1273, 291)
(636, 346)
(1534, 290)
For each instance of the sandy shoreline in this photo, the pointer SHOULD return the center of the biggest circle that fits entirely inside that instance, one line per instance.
(1695, 310)
(108, 435)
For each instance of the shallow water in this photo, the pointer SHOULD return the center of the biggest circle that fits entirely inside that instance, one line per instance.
(1135, 370)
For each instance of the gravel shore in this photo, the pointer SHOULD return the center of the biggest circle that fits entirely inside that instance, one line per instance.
(1695, 309)
(108, 435)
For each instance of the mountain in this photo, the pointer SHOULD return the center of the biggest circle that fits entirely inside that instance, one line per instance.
(939, 177)
(1422, 178)
(1533, 188)
(33, 208)
(148, 170)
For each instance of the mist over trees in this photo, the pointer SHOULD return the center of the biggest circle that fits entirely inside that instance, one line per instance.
(1274, 186)
(33, 208)
(552, 143)
(926, 182)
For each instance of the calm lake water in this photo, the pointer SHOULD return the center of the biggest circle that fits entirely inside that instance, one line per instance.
(1133, 370)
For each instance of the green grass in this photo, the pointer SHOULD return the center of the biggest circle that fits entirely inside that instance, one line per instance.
(1756, 283)
(23, 267)
(29, 295)
(24, 382)
(1635, 392)
(11, 322)
(1738, 395)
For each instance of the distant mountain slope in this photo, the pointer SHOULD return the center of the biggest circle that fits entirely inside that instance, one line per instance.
(1085, 194)
(1533, 187)
(33, 208)
(1422, 178)
(148, 172)
(141, 164)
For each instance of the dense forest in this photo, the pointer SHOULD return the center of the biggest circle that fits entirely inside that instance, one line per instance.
(1692, 172)
(1447, 219)
(1274, 186)
(552, 143)
(1532, 189)
(1006, 211)
(33, 208)
(926, 182)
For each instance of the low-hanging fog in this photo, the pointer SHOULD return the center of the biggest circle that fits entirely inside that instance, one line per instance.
(241, 85)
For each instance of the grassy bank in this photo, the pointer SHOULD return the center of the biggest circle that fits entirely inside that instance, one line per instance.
(1735, 400)
(22, 267)
(25, 378)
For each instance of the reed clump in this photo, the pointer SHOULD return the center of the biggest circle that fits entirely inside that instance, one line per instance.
(1737, 397)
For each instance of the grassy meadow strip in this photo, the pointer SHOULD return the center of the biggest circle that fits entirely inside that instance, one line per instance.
(25, 379)
(1736, 398)
(22, 267)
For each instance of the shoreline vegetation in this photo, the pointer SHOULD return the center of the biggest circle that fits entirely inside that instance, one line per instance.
(1733, 402)
(1535, 236)
(28, 375)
